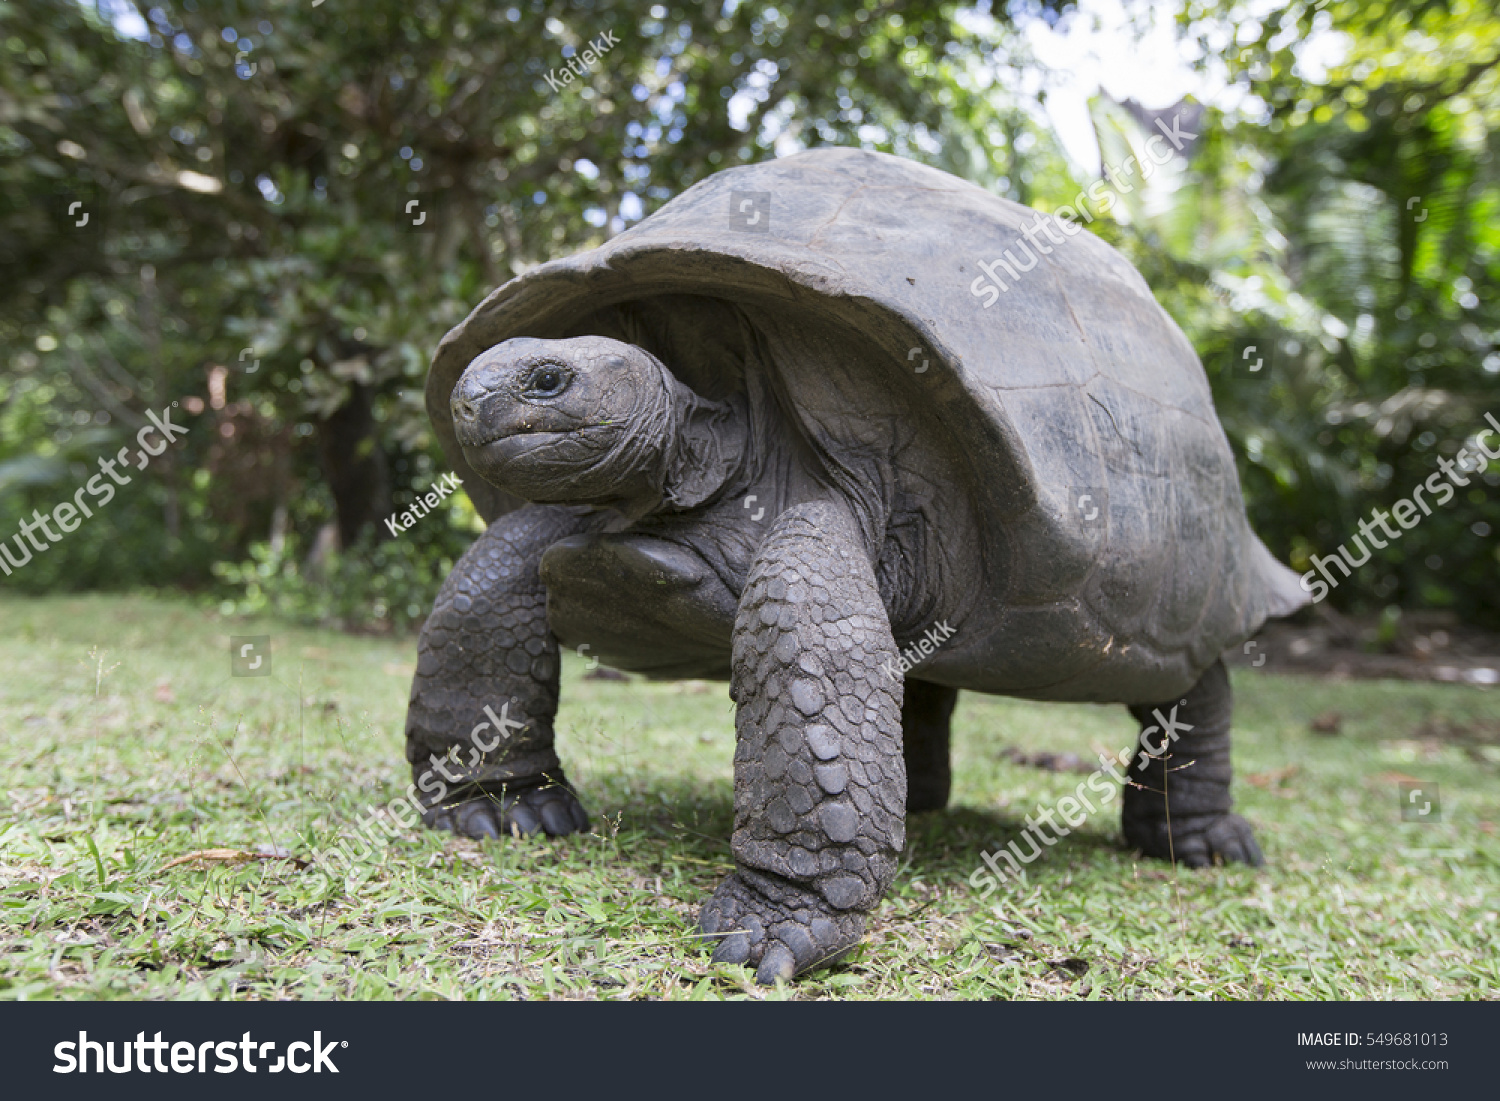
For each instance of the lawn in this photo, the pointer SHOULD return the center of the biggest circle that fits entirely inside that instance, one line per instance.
(126, 744)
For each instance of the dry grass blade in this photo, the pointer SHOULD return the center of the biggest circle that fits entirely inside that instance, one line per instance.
(228, 856)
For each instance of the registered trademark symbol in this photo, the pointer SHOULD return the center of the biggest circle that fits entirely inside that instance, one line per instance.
(343, 1043)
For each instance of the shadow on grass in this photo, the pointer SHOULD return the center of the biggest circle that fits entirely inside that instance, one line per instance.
(674, 816)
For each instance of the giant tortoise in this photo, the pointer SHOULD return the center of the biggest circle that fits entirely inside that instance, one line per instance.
(774, 434)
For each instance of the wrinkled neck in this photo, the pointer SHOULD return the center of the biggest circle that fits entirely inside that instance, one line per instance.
(707, 450)
(679, 451)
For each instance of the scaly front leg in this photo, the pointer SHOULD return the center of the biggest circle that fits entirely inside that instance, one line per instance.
(486, 654)
(819, 780)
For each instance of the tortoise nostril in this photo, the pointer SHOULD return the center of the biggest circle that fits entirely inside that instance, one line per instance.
(464, 409)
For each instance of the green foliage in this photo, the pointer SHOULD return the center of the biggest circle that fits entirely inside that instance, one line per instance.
(248, 169)
(124, 544)
(374, 585)
(1371, 286)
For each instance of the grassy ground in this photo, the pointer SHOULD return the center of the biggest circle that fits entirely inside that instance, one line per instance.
(125, 744)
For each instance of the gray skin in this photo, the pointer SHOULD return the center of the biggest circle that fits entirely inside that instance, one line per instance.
(637, 543)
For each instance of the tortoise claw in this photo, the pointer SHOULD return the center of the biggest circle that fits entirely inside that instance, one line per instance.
(548, 808)
(1198, 841)
(780, 938)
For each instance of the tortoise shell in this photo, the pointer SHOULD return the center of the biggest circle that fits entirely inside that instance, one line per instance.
(1115, 556)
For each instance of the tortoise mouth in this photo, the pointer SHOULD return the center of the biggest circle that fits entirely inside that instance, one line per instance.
(557, 466)
(476, 441)
(507, 447)
(502, 448)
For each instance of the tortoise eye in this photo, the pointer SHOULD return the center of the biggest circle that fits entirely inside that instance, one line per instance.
(547, 381)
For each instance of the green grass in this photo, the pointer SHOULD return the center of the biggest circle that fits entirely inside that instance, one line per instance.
(125, 744)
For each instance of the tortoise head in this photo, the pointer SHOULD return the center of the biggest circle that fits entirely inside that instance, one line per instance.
(586, 420)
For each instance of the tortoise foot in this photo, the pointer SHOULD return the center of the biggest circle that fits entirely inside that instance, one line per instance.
(544, 806)
(776, 927)
(1197, 841)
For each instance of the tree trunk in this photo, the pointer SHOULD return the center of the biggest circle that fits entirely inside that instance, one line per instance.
(355, 467)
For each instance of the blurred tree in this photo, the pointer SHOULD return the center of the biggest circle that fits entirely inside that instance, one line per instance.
(288, 204)
(1380, 315)
(321, 191)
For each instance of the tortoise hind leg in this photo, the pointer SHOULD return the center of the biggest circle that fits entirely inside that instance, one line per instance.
(1176, 804)
(926, 718)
